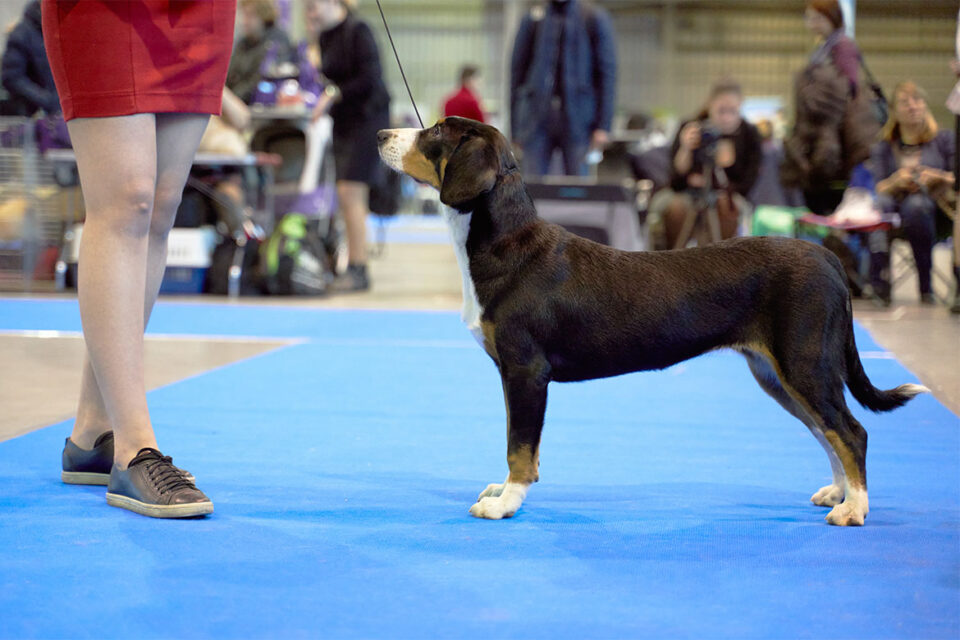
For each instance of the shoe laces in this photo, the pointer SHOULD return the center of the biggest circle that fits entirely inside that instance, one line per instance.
(166, 477)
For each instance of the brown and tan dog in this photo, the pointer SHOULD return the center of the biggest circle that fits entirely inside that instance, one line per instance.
(547, 305)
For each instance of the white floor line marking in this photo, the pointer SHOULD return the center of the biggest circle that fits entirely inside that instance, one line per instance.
(329, 342)
(877, 355)
(48, 333)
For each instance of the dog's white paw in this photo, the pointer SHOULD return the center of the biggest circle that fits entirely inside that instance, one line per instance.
(848, 513)
(492, 491)
(492, 509)
(828, 496)
(499, 501)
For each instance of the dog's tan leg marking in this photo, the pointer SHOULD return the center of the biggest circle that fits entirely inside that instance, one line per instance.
(855, 505)
(524, 465)
(489, 332)
(832, 494)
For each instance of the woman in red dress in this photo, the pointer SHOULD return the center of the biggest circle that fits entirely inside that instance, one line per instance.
(137, 81)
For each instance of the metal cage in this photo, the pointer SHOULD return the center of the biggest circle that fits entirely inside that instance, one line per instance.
(30, 223)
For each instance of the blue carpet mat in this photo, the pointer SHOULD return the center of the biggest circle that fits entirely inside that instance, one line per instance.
(671, 504)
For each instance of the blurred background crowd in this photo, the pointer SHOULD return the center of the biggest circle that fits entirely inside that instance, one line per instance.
(821, 119)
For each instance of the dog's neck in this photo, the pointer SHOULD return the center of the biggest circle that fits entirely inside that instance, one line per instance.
(483, 227)
(501, 212)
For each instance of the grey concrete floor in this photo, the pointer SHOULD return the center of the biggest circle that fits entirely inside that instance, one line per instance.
(40, 376)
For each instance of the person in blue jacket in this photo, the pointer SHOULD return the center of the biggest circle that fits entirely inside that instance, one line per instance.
(563, 75)
(24, 70)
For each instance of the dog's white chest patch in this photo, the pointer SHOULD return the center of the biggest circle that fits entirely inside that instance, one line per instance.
(459, 224)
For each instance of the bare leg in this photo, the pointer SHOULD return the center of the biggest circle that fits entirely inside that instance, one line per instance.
(353, 198)
(178, 135)
(679, 218)
(176, 139)
(116, 158)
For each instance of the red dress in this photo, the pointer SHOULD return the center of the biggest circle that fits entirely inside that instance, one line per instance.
(120, 57)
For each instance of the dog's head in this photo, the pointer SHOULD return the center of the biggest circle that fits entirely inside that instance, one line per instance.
(461, 158)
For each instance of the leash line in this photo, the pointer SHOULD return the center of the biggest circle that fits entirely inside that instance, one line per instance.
(397, 56)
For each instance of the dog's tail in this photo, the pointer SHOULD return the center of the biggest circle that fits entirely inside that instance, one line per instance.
(864, 391)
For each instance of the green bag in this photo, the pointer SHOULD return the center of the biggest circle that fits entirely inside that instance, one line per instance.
(294, 259)
(771, 220)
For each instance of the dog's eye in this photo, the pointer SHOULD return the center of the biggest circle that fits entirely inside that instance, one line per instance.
(435, 132)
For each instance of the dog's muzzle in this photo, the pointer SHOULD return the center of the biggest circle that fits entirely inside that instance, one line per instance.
(393, 144)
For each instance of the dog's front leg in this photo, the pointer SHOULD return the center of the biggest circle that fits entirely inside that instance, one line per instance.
(525, 395)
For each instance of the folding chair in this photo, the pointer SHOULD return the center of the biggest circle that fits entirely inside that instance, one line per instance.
(902, 255)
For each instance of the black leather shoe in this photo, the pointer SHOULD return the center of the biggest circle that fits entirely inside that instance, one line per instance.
(88, 466)
(83, 466)
(152, 486)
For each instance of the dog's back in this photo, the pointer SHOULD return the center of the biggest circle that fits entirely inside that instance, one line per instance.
(602, 312)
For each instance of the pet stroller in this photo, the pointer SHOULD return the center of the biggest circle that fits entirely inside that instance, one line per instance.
(307, 246)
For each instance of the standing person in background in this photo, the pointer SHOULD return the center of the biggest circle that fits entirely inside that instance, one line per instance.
(259, 35)
(25, 71)
(136, 106)
(834, 127)
(359, 104)
(563, 76)
(465, 102)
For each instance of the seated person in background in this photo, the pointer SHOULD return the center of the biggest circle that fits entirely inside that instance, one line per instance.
(768, 189)
(465, 102)
(224, 135)
(25, 71)
(259, 35)
(913, 166)
(715, 161)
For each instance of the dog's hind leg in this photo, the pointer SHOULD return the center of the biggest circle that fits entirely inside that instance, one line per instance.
(849, 441)
(525, 396)
(765, 371)
(816, 387)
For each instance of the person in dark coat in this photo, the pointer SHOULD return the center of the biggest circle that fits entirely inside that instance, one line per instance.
(834, 125)
(25, 72)
(357, 100)
(563, 75)
(260, 35)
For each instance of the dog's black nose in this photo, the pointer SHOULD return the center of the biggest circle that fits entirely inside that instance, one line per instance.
(383, 135)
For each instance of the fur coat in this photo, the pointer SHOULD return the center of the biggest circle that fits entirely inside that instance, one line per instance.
(833, 132)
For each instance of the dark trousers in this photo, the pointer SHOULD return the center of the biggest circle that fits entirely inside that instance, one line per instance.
(553, 135)
(918, 213)
(823, 202)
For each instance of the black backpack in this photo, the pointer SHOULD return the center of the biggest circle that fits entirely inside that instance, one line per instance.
(296, 260)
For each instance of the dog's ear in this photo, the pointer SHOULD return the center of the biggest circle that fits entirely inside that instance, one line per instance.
(471, 171)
